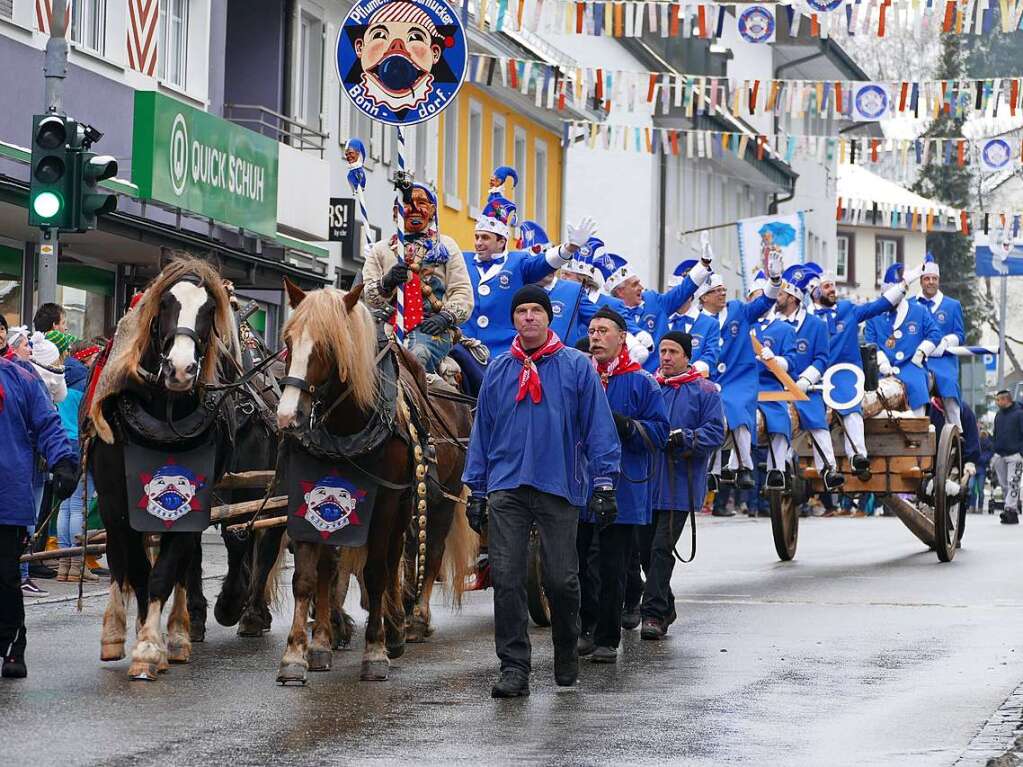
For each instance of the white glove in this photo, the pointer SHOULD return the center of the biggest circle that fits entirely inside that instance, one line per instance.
(919, 357)
(804, 385)
(884, 367)
(706, 251)
(646, 339)
(912, 275)
(638, 352)
(775, 266)
(579, 234)
(766, 354)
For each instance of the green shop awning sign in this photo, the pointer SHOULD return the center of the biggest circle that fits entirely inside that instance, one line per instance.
(192, 160)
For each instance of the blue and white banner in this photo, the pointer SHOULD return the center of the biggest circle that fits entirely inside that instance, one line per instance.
(995, 155)
(763, 237)
(756, 23)
(998, 253)
(871, 102)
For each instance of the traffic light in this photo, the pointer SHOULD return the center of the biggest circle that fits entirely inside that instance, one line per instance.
(51, 188)
(91, 202)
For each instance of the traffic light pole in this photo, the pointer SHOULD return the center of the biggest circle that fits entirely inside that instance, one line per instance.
(54, 72)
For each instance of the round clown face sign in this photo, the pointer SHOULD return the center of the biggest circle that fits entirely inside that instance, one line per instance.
(330, 504)
(756, 24)
(170, 492)
(401, 61)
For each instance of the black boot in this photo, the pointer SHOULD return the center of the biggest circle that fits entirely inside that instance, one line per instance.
(586, 644)
(512, 684)
(14, 658)
(832, 479)
(604, 655)
(727, 476)
(775, 480)
(631, 617)
(744, 479)
(1009, 517)
(861, 465)
(652, 629)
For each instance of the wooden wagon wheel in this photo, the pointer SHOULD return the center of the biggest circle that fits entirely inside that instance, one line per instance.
(785, 515)
(949, 510)
(536, 599)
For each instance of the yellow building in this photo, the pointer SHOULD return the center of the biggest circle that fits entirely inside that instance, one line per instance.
(477, 134)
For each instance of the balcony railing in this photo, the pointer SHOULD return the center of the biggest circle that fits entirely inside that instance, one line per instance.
(286, 130)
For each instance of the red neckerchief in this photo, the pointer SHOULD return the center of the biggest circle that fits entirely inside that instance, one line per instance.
(690, 375)
(529, 379)
(623, 363)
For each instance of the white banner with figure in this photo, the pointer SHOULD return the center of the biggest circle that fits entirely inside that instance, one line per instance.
(764, 236)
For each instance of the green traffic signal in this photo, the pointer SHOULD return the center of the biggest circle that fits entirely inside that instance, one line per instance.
(46, 205)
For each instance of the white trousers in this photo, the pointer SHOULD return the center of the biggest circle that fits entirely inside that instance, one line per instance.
(823, 450)
(742, 451)
(1008, 469)
(855, 441)
(953, 413)
(779, 452)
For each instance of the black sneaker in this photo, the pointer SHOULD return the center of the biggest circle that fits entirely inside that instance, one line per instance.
(512, 684)
(631, 618)
(1009, 517)
(832, 479)
(586, 644)
(860, 464)
(744, 479)
(604, 655)
(14, 667)
(723, 512)
(775, 480)
(29, 589)
(652, 629)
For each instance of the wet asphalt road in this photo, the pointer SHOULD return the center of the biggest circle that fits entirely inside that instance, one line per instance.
(864, 651)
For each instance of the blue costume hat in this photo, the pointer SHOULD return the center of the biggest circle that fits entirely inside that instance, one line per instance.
(499, 213)
(504, 172)
(930, 265)
(615, 269)
(583, 263)
(681, 271)
(592, 247)
(356, 173)
(797, 278)
(532, 237)
(759, 282)
(893, 275)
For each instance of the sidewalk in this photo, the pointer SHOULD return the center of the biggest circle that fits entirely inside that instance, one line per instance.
(214, 565)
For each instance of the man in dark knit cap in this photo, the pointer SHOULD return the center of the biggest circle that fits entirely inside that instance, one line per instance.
(543, 445)
(642, 423)
(680, 478)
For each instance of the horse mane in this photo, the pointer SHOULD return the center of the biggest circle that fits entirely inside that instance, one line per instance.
(348, 337)
(132, 337)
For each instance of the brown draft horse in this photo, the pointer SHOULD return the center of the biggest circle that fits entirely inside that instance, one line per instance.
(332, 346)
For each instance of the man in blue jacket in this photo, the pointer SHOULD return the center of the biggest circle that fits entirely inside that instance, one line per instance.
(948, 315)
(543, 441)
(680, 473)
(29, 424)
(905, 337)
(1007, 461)
(642, 423)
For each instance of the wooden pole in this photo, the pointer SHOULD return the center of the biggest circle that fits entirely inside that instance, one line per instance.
(74, 551)
(247, 480)
(260, 524)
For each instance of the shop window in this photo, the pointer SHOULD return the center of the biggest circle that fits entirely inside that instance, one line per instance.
(309, 70)
(520, 167)
(89, 24)
(475, 193)
(886, 253)
(499, 143)
(451, 157)
(173, 51)
(842, 258)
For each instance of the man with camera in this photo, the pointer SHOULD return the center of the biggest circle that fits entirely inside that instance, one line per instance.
(697, 429)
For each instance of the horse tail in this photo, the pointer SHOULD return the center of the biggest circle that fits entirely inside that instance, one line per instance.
(273, 594)
(461, 548)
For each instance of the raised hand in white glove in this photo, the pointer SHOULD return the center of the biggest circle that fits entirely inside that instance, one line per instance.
(580, 233)
(910, 276)
(775, 266)
(646, 339)
(706, 251)
(918, 358)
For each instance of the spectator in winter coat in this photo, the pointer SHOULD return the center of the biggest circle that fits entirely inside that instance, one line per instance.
(987, 450)
(697, 430)
(1007, 460)
(28, 425)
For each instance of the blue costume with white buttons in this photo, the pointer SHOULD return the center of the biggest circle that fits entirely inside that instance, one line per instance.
(899, 333)
(736, 371)
(947, 314)
(780, 338)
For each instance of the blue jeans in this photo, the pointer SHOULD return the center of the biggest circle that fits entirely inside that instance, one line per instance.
(37, 501)
(71, 514)
(472, 370)
(429, 350)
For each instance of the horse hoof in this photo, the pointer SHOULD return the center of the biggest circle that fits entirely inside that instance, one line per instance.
(251, 626)
(164, 665)
(226, 615)
(111, 651)
(374, 671)
(197, 633)
(416, 633)
(319, 659)
(395, 650)
(291, 673)
(178, 652)
(141, 671)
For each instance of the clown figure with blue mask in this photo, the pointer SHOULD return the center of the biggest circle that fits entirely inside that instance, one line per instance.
(497, 274)
(843, 318)
(701, 326)
(648, 309)
(736, 371)
(809, 361)
(437, 291)
(948, 315)
(905, 336)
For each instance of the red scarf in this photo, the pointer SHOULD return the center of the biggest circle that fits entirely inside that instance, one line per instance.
(623, 363)
(690, 375)
(529, 379)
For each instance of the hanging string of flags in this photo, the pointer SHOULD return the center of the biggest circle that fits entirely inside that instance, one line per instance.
(559, 87)
(754, 22)
(924, 219)
(990, 155)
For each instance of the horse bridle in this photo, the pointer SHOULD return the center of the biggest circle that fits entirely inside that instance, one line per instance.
(162, 344)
